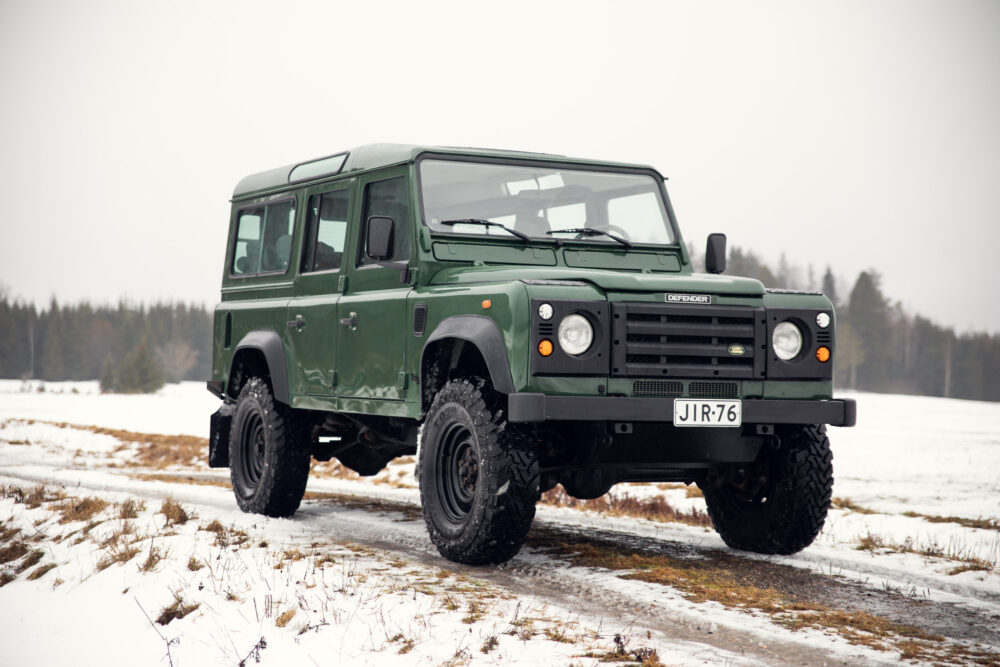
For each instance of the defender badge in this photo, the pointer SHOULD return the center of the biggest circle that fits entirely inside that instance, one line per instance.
(737, 350)
(689, 298)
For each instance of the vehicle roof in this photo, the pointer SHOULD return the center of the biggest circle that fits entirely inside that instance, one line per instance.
(374, 156)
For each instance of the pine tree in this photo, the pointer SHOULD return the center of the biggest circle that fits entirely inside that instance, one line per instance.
(830, 287)
(51, 361)
(109, 382)
(140, 373)
(868, 315)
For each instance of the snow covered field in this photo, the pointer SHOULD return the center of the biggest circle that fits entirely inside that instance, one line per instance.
(908, 557)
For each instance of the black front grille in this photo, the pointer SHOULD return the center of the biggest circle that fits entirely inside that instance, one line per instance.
(712, 390)
(687, 341)
(658, 388)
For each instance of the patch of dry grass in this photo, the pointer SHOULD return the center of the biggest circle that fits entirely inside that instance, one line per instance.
(41, 571)
(30, 560)
(285, 617)
(475, 612)
(80, 509)
(130, 508)
(174, 514)
(151, 450)
(879, 545)
(121, 555)
(654, 508)
(226, 536)
(746, 585)
(152, 559)
(178, 609)
(981, 523)
(847, 504)
(32, 498)
(489, 644)
(12, 552)
(194, 564)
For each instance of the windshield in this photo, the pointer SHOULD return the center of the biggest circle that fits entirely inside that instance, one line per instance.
(541, 201)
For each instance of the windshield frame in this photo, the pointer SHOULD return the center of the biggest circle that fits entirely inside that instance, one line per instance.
(555, 239)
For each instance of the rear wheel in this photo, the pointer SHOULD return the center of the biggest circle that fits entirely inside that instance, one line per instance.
(479, 479)
(779, 505)
(268, 463)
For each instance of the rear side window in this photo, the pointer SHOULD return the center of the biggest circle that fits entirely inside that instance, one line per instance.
(264, 239)
(326, 230)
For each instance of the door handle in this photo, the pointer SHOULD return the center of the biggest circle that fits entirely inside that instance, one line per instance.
(297, 323)
(350, 322)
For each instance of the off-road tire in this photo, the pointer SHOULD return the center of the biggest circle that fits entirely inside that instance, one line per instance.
(268, 464)
(787, 515)
(479, 477)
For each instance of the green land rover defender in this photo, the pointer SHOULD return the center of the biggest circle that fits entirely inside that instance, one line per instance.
(517, 321)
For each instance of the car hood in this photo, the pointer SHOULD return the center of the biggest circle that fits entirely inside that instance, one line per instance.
(616, 281)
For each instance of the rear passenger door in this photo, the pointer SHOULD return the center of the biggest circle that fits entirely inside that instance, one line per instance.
(312, 314)
(372, 311)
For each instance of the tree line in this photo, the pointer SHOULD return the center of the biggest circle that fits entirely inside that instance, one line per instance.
(880, 346)
(129, 347)
(133, 347)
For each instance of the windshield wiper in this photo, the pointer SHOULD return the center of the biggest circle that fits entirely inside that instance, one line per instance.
(485, 223)
(590, 231)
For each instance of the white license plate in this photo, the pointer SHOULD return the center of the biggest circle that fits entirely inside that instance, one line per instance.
(689, 412)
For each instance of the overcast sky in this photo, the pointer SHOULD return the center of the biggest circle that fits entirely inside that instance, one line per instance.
(855, 134)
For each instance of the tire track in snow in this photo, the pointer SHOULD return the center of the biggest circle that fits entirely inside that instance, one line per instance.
(385, 521)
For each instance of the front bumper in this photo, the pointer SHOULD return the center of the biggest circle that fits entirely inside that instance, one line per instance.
(532, 407)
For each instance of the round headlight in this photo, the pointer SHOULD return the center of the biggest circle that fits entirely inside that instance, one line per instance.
(786, 341)
(823, 320)
(545, 311)
(575, 334)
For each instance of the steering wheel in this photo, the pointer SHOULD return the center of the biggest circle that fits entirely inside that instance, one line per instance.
(615, 229)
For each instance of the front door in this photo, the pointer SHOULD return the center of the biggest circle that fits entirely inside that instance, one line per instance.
(372, 310)
(312, 314)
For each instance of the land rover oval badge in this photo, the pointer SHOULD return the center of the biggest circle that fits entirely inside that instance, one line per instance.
(737, 350)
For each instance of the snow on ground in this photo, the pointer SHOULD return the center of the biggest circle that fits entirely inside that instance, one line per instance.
(182, 408)
(917, 510)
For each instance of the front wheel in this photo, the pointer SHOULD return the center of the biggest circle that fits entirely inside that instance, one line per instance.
(479, 479)
(779, 505)
(267, 463)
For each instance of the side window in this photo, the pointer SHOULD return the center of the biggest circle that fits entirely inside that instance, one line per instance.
(391, 199)
(246, 258)
(264, 239)
(327, 229)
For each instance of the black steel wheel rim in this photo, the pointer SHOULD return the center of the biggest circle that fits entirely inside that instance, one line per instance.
(252, 446)
(457, 472)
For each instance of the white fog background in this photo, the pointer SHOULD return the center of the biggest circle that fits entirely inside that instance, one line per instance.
(855, 134)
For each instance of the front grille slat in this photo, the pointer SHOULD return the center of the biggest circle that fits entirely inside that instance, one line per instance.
(685, 341)
(680, 350)
(691, 328)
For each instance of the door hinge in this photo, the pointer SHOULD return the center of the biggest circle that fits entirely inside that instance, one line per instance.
(342, 284)
(402, 379)
(333, 378)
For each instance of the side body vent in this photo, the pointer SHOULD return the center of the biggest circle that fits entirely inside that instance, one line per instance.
(419, 318)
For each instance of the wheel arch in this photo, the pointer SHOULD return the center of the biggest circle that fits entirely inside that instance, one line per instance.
(260, 352)
(466, 341)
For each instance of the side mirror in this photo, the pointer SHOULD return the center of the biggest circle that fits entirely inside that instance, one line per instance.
(378, 239)
(715, 253)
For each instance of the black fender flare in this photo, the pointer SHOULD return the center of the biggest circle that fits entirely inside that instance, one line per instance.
(269, 344)
(484, 334)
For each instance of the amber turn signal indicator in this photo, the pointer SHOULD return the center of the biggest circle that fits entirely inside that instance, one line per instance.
(487, 303)
(823, 354)
(545, 347)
